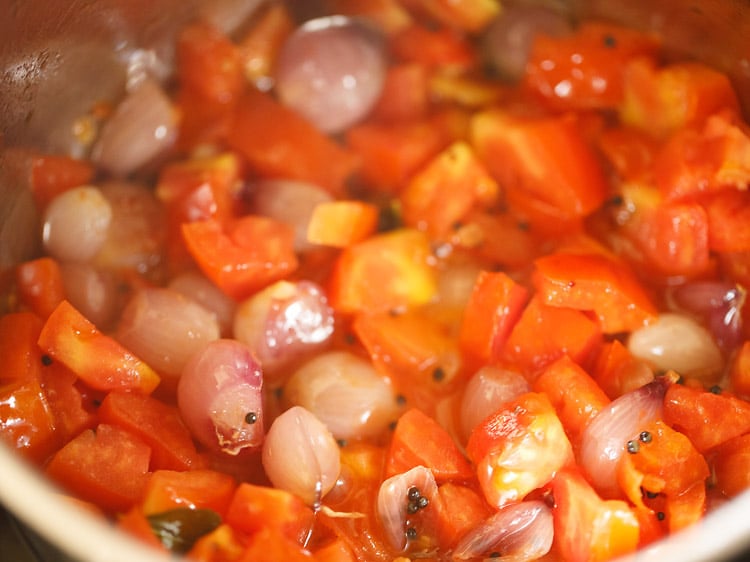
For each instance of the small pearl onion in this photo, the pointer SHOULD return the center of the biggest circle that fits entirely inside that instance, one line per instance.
(679, 343)
(76, 223)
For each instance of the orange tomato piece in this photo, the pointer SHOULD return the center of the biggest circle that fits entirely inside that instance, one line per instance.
(616, 371)
(107, 466)
(158, 424)
(22, 358)
(389, 15)
(545, 333)
(223, 544)
(574, 394)
(664, 461)
(598, 283)
(585, 69)
(278, 143)
(385, 272)
(495, 305)
(191, 489)
(244, 255)
(418, 440)
(730, 466)
(518, 449)
(27, 423)
(740, 371)
(464, 510)
(588, 528)
(405, 94)
(433, 47)
(442, 193)
(662, 100)
(342, 223)
(527, 156)
(728, 215)
(707, 419)
(53, 174)
(270, 545)
(40, 285)
(466, 15)
(255, 508)
(98, 360)
(260, 46)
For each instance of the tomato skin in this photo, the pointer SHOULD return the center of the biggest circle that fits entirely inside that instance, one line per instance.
(707, 419)
(244, 255)
(594, 282)
(158, 424)
(107, 466)
(588, 528)
(728, 214)
(418, 440)
(271, 545)
(528, 423)
(96, 358)
(22, 358)
(53, 174)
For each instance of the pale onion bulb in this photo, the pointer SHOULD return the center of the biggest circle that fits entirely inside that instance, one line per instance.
(301, 456)
(346, 393)
(677, 342)
(521, 532)
(76, 223)
(92, 292)
(196, 286)
(164, 328)
(605, 438)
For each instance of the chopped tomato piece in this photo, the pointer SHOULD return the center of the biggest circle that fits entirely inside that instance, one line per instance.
(405, 94)
(740, 371)
(22, 359)
(384, 272)
(279, 143)
(664, 461)
(192, 489)
(728, 214)
(433, 47)
(545, 333)
(391, 153)
(244, 255)
(223, 544)
(631, 153)
(466, 15)
(730, 466)
(40, 285)
(545, 159)
(413, 349)
(99, 361)
(518, 449)
(584, 70)
(588, 528)
(256, 508)
(418, 440)
(72, 411)
(597, 283)
(446, 189)
(706, 160)
(107, 466)
(707, 419)
(574, 394)
(27, 423)
(495, 305)
(616, 371)
(390, 15)
(342, 223)
(260, 46)
(157, 423)
(335, 551)
(271, 545)
(661, 100)
(53, 174)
